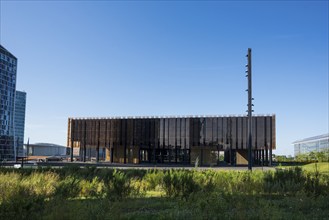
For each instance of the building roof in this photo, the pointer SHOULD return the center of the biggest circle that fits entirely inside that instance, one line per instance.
(6, 51)
(46, 145)
(315, 138)
(170, 116)
(20, 92)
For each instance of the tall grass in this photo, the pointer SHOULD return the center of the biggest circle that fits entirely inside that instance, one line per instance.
(23, 193)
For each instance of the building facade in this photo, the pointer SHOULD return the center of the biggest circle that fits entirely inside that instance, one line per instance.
(8, 68)
(45, 149)
(172, 140)
(312, 144)
(19, 122)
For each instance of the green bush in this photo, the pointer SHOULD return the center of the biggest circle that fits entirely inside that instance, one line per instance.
(179, 183)
(119, 186)
(316, 184)
(43, 184)
(294, 180)
(93, 188)
(19, 199)
(153, 179)
(68, 188)
(21, 204)
(138, 187)
(9, 184)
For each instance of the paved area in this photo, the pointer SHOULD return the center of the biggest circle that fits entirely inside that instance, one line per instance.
(32, 164)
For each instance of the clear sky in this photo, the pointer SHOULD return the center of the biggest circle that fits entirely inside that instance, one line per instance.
(108, 58)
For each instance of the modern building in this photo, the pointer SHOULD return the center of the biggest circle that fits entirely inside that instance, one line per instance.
(45, 149)
(312, 144)
(19, 122)
(8, 68)
(172, 140)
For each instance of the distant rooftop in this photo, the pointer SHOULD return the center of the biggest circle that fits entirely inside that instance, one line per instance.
(315, 138)
(46, 145)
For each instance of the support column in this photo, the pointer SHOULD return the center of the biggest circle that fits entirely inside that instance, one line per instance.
(162, 154)
(71, 148)
(270, 159)
(156, 143)
(175, 153)
(84, 143)
(107, 154)
(84, 152)
(111, 154)
(176, 140)
(189, 156)
(125, 154)
(153, 155)
(97, 153)
(271, 141)
(232, 157)
(254, 157)
(97, 147)
(266, 155)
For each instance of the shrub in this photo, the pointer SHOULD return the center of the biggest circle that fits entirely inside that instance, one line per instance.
(93, 188)
(18, 198)
(153, 179)
(179, 183)
(316, 184)
(9, 184)
(41, 183)
(138, 187)
(119, 186)
(21, 204)
(69, 187)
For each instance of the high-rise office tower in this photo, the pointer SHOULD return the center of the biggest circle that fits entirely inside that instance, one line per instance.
(8, 68)
(19, 122)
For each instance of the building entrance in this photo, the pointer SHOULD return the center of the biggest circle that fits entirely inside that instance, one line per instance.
(144, 155)
(164, 156)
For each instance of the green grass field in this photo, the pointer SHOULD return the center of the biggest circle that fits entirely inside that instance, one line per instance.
(322, 167)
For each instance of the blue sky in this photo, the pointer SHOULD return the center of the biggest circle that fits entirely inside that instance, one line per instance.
(108, 58)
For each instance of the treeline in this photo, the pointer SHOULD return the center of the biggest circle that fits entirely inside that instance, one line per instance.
(322, 156)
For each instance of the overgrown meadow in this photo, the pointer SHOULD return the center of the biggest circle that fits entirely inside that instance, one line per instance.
(91, 193)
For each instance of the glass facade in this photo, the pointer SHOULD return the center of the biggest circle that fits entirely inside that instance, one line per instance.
(19, 121)
(169, 140)
(312, 144)
(8, 68)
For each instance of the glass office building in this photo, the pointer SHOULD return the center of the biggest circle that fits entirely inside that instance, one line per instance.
(172, 140)
(312, 144)
(8, 68)
(20, 104)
